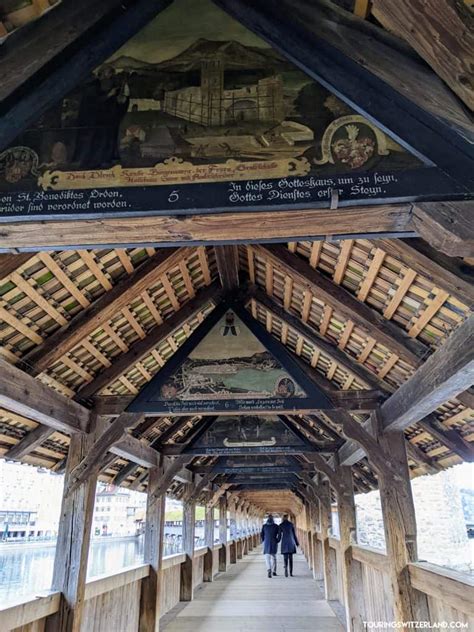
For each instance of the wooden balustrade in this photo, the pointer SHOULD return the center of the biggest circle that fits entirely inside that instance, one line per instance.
(450, 594)
(113, 600)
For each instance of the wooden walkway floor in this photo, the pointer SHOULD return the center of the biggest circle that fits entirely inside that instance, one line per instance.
(245, 600)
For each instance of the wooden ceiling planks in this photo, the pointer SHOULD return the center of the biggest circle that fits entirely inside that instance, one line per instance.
(363, 268)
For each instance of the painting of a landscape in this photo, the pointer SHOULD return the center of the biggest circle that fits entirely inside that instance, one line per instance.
(230, 363)
(195, 97)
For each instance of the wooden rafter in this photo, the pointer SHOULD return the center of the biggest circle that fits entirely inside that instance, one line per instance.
(448, 372)
(29, 443)
(441, 33)
(227, 259)
(352, 366)
(23, 394)
(447, 226)
(449, 438)
(10, 263)
(387, 334)
(446, 273)
(102, 310)
(153, 338)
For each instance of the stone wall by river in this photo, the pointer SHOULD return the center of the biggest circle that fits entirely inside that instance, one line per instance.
(442, 536)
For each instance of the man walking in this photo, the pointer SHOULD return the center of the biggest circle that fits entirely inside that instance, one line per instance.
(270, 537)
(289, 542)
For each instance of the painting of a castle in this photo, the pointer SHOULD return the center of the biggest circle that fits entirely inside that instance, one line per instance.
(211, 105)
(196, 86)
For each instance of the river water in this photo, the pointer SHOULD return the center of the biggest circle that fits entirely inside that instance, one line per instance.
(28, 570)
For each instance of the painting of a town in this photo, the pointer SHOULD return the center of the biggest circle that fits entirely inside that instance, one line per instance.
(230, 363)
(195, 97)
(249, 432)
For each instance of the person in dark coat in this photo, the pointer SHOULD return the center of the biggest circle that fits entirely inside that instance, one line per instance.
(270, 537)
(289, 542)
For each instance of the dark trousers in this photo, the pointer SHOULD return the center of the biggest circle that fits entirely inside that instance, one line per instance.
(288, 558)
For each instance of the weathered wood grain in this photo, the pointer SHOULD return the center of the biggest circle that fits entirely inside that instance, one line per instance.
(449, 371)
(212, 228)
(152, 339)
(102, 310)
(22, 394)
(447, 226)
(441, 33)
(386, 333)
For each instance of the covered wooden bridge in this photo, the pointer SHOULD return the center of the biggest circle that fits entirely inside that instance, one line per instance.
(236, 269)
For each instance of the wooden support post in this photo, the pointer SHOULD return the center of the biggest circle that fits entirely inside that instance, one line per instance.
(150, 598)
(72, 548)
(223, 557)
(209, 542)
(308, 535)
(233, 552)
(189, 520)
(400, 530)
(351, 569)
(330, 579)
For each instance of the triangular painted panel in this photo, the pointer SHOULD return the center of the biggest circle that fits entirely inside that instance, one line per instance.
(230, 363)
(246, 434)
(195, 98)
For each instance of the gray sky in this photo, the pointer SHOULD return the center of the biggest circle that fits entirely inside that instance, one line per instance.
(181, 24)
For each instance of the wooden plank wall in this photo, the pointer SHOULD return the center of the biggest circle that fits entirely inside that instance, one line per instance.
(170, 591)
(198, 570)
(115, 610)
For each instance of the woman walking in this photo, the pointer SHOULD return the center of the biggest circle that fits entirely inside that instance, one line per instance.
(289, 542)
(270, 537)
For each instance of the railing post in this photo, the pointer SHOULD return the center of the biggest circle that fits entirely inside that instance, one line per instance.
(351, 569)
(72, 548)
(223, 554)
(209, 542)
(400, 529)
(325, 521)
(150, 597)
(189, 519)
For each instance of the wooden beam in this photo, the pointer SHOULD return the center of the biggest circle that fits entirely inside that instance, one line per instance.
(399, 521)
(419, 456)
(316, 339)
(175, 427)
(449, 371)
(59, 51)
(102, 310)
(22, 394)
(383, 331)
(72, 548)
(447, 226)
(227, 259)
(11, 263)
(153, 338)
(441, 33)
(449, 438)
(151, 586)
(231, 227)
(91, 461)
(134, 450)
(29, 443)
(124, 473)
(447, 273)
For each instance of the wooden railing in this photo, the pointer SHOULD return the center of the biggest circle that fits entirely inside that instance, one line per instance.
(112, 602)
(449, 594)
